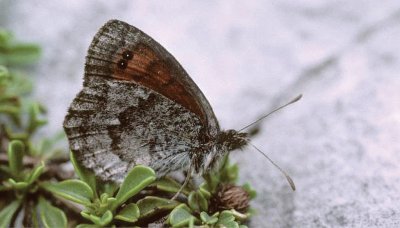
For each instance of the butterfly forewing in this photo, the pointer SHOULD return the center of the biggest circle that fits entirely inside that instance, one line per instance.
(138, 106)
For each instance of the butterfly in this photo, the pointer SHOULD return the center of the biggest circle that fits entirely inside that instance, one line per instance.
(139, 106)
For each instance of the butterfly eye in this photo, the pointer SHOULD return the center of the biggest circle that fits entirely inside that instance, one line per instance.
(122, 64)
(128, 55)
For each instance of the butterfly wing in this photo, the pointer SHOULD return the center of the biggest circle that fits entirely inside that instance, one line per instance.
(138, 106)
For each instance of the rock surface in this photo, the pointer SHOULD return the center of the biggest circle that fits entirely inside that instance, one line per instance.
(340, 143)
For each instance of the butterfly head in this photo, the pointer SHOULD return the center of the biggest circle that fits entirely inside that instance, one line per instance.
(232, 139)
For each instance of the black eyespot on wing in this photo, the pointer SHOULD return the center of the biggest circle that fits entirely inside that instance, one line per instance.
(128, 55)
(122, 64)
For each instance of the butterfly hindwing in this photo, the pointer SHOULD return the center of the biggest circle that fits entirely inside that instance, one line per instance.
(129, 125)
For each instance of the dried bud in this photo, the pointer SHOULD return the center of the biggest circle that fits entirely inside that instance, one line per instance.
(229, 196)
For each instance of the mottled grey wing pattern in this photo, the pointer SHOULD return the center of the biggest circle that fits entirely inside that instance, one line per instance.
(138, 106)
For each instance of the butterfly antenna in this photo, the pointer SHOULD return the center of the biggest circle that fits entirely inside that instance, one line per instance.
(290, 181)
(275, 110)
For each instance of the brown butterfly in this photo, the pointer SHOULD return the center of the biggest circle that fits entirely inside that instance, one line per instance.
(139, 106)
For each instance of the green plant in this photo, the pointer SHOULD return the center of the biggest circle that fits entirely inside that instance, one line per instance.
(34, 184)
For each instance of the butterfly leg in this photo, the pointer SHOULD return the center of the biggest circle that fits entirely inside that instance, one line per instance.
(187, 178)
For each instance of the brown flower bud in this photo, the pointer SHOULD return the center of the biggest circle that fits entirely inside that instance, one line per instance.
(228, 197)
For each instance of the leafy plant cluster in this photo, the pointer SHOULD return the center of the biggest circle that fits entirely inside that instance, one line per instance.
(36, 190)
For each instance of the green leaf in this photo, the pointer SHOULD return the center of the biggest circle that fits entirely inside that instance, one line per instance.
(203, 189)
(6, 214)
(16, 150)
(208, 219)
(3, 73)
(225, 218)
(169, 185)
(87, 226)
(197, 201)
(35, 173)
(231, 224)
(130, 213)
(88, 215)
(212, 181)
(18, 185)
(107, 187)
(239, 216)
(74, 190)
(252, 193)
(19, 54)
(104, 220)
(5, 37)
(84, 174)
(137, 179)
(51, 216)
(10, 109)
(230, 173)
(151, 205)
(35, 110)
(180, 216)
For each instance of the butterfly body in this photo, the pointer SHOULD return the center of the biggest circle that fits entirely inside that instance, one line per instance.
(139, 106)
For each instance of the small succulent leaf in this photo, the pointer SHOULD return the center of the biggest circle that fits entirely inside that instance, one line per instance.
(16, 150)
(150, 205)
(137, 179)
(20, 54)
(225, 217)
(35, 173)
(98, 221)
(86, 214)
(4, 74)
(106, 218)
(203, 188)
(212, 181)
(230, 173)
(210, 220)
(197, 201)
(180, 216)
(204, 216)
(231, 224)
(83, 225)
(35, 110)
(6, 214)
(10, 110)
(191, 222)
(239, 216)
(130, 213)
(95, 219)
(108, 187)
(74, 190)
(84, 174)
(250, 190)
(104, 197)
(111, 200)
(20, 185)
(51, 216)
(5, 37)
(167, 184)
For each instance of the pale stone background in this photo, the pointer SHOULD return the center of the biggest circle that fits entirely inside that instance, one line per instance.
(340, 143)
